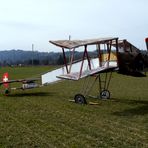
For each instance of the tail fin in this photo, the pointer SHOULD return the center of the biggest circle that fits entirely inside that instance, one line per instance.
(5, 80)
(146, 41)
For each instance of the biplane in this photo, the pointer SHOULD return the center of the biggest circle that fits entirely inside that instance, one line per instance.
(87, 66)
(112, 54)
(26, 83)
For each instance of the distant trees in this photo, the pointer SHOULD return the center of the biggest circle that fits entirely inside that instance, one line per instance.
(20, 57)
(60, 60)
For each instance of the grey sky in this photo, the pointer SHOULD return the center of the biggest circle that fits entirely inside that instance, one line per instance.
(23, 22)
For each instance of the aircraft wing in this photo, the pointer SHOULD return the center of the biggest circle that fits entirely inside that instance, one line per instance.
(77, 76)
(70, 44)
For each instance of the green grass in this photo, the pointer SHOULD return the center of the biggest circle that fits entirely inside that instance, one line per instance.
(44, 117)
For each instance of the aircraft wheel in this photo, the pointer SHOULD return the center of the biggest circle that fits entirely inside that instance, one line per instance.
(80, 99)
(105, 94)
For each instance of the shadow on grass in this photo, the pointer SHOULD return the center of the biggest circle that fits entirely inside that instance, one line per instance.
(128, 101)
(139, 107)
(41, 94)
(140, 110)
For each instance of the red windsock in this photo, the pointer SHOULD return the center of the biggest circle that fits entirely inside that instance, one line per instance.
(5, 80)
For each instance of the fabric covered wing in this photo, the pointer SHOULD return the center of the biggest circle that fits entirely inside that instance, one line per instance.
(77, 75)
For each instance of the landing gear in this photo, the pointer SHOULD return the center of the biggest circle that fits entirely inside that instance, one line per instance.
(89, 84)
(105, 94)
(80, 99)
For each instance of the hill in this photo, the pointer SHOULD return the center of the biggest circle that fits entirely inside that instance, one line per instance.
(16, 57)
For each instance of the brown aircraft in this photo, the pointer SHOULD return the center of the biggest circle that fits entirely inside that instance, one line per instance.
(131, 60)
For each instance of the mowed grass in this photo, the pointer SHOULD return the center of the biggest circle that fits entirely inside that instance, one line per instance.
(43, 117)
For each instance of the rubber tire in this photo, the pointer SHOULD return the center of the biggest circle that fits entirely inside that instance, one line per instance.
(80, 99)
(105, 94)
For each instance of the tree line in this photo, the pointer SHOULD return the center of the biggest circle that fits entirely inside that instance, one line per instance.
(21, 57)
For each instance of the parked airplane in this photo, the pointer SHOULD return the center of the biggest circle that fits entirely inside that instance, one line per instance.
(131, 60)
(26, 83)
(112, 54)
(84, 68)
(127, 58)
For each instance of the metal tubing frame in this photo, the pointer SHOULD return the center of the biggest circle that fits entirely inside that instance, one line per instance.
(87, 86)
(106, 81)
(109, 80)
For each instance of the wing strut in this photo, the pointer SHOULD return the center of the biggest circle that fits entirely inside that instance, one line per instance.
(65, 61)
(85, 54)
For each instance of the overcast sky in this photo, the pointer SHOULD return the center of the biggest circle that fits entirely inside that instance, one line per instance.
(27, 22)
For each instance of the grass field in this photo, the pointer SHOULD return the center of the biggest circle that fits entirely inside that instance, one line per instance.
(43, 117)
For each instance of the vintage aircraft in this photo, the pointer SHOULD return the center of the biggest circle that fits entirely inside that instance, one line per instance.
(112, 54)
(75, 70)
(26, 83)
(131, 60)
